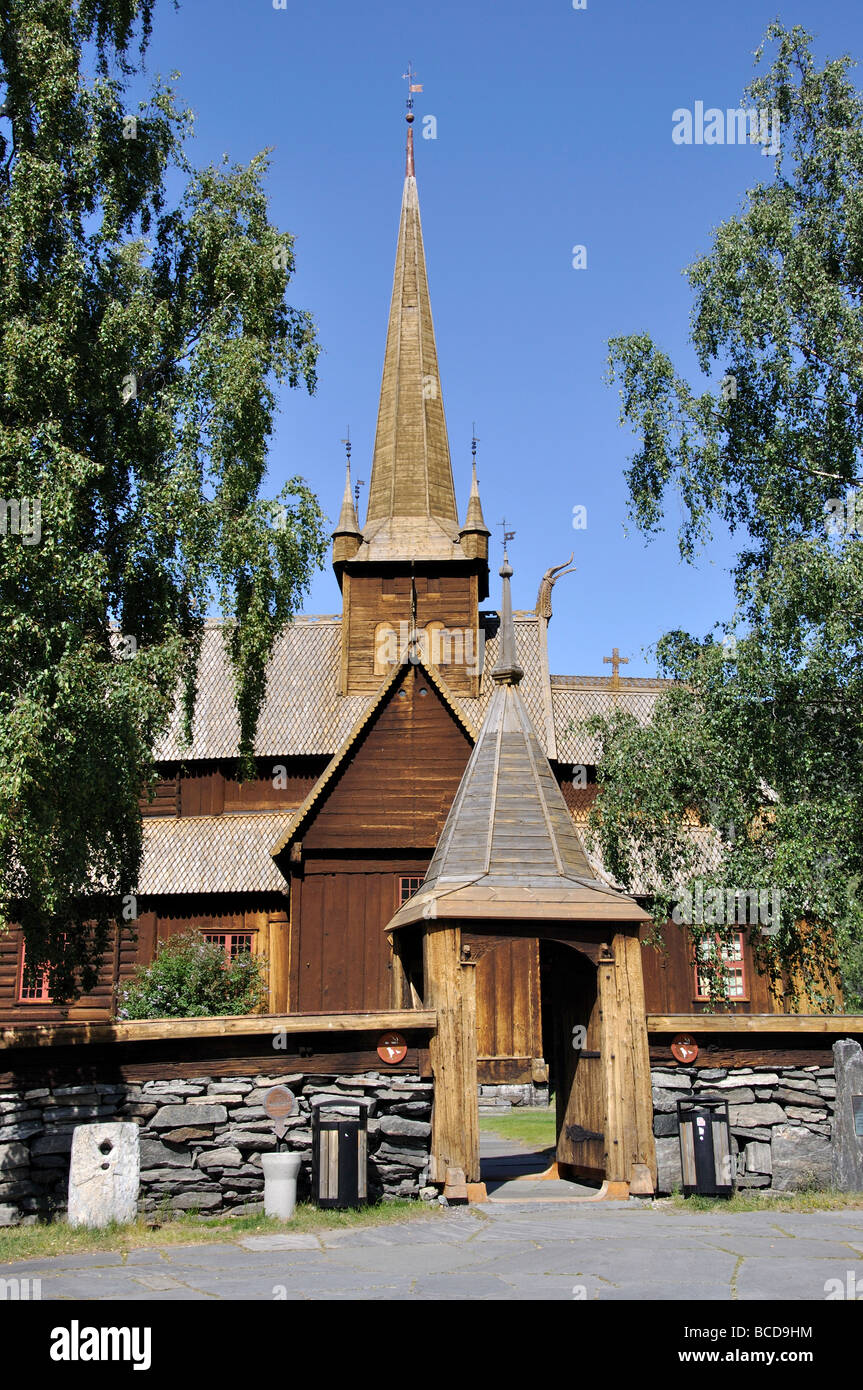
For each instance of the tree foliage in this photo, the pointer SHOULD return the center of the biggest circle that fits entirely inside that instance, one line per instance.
(190, 978)
(143, 339)
(763, 735)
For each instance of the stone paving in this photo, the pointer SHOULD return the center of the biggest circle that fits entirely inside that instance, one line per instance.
(514, 1247)
(510, 1250)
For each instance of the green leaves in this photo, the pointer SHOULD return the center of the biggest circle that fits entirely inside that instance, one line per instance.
(142, 345)
(765, 734)
(190, 978)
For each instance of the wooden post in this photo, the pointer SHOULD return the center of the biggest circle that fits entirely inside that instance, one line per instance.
(279, 962)
(451, 991)
(630, 1149)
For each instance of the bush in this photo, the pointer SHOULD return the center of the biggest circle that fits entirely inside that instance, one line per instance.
(190, 978)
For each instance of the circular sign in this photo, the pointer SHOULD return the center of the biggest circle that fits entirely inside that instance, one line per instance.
(392, 1048)
(684, 1047)
(279, 1103)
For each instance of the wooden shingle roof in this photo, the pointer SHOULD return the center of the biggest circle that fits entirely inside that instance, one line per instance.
(212, 854)
(509, 848)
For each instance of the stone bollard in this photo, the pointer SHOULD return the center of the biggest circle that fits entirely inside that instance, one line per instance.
(280, 1184)
(103, 1176)
(847, 1139)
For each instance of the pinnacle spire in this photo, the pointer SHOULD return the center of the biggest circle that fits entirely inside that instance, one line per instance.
(348, 524)
(506, 670)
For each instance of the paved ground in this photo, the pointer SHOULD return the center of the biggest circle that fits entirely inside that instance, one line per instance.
(515, 1247)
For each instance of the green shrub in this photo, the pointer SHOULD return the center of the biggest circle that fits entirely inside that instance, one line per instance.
(190, 978)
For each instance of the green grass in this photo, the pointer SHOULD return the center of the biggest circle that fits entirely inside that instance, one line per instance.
(58, 1238)
(757, 1200)
(534, 1127)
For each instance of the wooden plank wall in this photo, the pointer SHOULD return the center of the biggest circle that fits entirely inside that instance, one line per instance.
(118, 963)
(508, 1011)
(396, 790)
(669, 982)
(370, 599)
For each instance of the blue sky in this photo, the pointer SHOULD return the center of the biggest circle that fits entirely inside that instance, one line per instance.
(553, 129)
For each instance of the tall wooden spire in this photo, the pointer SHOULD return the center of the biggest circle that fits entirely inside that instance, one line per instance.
(412, 507)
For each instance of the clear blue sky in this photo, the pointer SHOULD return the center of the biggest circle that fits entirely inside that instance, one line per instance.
(553, 129)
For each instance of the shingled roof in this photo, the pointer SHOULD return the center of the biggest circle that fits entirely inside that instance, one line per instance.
(509, 849)
(212, 854)
(304, 714)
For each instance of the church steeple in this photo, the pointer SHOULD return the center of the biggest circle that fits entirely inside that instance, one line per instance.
(412, 508)
(411, 566)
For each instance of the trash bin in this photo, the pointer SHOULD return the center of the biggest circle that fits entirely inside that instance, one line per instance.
(705, 1147)
(339, 1155)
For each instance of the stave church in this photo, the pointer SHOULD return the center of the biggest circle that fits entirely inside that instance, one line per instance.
(413, 836)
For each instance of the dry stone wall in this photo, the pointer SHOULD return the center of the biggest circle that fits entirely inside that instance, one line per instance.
(781, 1122)
(201, 1139)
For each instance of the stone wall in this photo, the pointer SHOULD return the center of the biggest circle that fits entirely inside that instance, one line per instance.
(202, 1138)
(781, 1120)
(498, 1099)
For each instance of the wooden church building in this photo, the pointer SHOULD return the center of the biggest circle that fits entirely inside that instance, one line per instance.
(412, 835)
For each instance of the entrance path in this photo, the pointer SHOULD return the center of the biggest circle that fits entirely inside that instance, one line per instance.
(509, 1250)
(507, 1166)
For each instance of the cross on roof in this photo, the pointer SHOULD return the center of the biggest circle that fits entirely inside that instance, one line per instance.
(616, 661)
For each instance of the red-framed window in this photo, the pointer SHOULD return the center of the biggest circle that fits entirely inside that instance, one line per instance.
(233, 943)
(408, 885)
(734, 962)
(32, 983)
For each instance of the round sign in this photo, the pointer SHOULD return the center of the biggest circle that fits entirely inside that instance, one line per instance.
(392, 1048)
(279, 1103)
(684, 1047)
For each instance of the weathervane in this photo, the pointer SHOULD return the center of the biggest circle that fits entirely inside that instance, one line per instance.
(474, 441)
(413, 86)
(507, 535)
(360, 482)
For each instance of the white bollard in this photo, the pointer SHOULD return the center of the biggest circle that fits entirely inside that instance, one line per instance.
(103, 1174)
(280, 1184)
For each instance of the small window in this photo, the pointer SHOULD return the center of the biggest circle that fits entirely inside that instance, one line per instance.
(386, 648)
(408, 885)
(32, 982)
(731, 953)
(233, 943)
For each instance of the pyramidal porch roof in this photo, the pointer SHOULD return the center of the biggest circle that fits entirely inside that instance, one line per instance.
(509, 849)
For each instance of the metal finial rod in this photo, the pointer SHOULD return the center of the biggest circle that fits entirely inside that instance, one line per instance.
(347, 444)
(474, 441)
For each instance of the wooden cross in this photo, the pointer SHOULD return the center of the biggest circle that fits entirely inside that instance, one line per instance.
(616, 661)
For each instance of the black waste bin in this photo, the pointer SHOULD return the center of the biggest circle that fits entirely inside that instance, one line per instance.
(705, 1147)
(339, 1155)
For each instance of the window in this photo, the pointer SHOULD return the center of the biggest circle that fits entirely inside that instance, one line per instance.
(32, 983)
(386, 648)
(233, 943)
(731, 953)
(408, 885)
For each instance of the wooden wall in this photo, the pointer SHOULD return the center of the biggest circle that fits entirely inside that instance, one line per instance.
(508, 1012)
(212, 788)
(669, 980)
(118, 964)
(370, 598)
(395, 791)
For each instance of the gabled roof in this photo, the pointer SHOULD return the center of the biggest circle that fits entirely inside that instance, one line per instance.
(434, 677)
(509, 849)
(304, 715)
